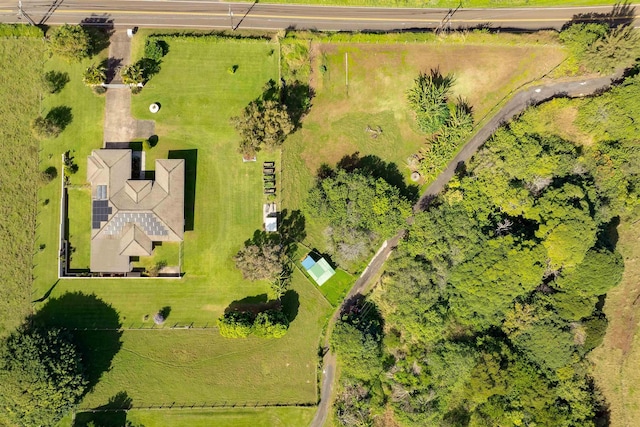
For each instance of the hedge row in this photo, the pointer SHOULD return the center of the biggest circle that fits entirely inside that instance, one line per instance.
(20, 30)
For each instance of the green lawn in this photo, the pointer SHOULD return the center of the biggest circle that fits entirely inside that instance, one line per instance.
(336, 288)
(184, 366)
(379, 74)
(80, 227)
(241, 417)
(198, 96)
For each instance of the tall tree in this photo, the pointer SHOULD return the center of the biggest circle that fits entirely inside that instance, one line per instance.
(42, 377)
(262, 123)
(70, 42)
(263, 262)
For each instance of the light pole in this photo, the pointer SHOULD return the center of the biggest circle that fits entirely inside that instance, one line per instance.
(231, 18)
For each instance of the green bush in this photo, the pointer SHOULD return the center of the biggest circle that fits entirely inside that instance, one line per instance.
(155, 49)
(236, 324)
(44, 127)
(270, 324)
(55, 81)
(241, 324)
(595, 328)
(71, 42)
(20, 30)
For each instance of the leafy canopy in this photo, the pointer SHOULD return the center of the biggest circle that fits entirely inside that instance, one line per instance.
(71, 42)
(42, 377)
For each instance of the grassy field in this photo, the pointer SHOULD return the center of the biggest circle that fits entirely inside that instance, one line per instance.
(249, 417)
(448, 3)
(20, 87)
(378, 77)
(616, 361)
(224, 197)
(189, 366)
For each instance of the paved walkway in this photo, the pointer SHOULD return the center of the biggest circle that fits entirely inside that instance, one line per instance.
(522, 100)
(119, 127)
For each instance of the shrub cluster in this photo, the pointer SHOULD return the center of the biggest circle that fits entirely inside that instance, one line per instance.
(241, 324)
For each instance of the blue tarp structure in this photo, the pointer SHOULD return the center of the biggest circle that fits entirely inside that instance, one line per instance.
(320, 270)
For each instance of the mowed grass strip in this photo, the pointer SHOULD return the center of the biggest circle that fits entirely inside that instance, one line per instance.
(362, 86)
(198, 96)
(237, 417)
(448, 3)
(20, 89)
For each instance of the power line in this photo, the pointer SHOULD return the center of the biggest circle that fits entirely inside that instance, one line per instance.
(23, 14)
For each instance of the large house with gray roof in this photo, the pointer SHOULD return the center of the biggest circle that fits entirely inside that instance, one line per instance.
(129, 215)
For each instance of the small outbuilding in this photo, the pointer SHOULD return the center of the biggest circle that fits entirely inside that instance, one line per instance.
(320, 270)
(270, 217)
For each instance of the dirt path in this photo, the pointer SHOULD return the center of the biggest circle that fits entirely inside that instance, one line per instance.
(119, 127)
(522, 100)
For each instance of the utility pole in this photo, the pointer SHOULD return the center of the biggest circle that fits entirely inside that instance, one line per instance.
(231, 18)
(22, 14)
(346, 71)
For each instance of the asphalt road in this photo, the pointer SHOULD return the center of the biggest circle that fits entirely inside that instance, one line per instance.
(218, 15)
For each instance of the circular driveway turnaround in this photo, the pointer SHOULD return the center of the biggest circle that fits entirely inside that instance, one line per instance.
(212, 14)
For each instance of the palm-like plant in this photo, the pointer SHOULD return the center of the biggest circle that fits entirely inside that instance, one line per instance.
(132, 74)
(94, 75)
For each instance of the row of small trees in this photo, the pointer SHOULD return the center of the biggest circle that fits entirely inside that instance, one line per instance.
(135, 74)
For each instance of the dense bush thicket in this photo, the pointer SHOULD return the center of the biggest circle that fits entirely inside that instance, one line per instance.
(266, 324)
(600, 47)
(490, 304)
(361, 210)
(42, 377)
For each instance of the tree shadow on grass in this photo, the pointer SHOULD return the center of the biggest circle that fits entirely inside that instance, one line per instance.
(254, 304)
(94, 325)
(374, 166)
(290, 304)
(56, 80)
(114, 415)
(291, 228)
(297, 96)
(60, 116)
(99, 28)
(190, 172)
(165, 312)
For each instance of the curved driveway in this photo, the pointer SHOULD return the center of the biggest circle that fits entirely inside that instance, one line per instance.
(213, 14)
(517, 104)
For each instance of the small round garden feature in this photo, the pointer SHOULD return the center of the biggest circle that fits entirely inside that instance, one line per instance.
(415, 176)
(154, 108)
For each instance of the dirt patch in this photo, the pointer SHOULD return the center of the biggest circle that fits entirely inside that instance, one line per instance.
(565, 124)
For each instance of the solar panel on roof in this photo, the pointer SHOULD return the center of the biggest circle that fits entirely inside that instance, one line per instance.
(100, 212)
